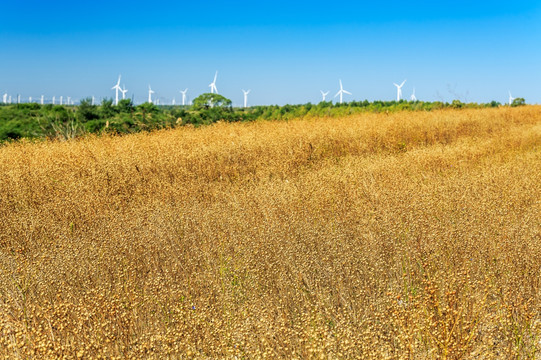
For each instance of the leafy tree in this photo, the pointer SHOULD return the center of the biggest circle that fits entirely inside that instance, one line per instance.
(457, 104)
(86, 111)
(145, 111)
(107, 110)
(125, 106)
(518, 102)
(148, 108)
(208, 100)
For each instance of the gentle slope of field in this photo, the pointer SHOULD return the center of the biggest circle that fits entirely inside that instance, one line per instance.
(409, 235)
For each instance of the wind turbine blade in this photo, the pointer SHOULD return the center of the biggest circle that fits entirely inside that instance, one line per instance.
(395, 84)
(347, 92)
(338, 93)
(215, 76)
(403, 82)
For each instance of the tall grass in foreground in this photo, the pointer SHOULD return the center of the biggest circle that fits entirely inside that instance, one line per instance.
(410, 235)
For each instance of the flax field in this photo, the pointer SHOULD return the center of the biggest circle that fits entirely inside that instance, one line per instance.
(408, 235)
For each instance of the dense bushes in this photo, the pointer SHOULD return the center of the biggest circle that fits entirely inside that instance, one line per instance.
(56, 121)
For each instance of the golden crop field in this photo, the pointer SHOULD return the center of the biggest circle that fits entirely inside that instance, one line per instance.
(411, 235)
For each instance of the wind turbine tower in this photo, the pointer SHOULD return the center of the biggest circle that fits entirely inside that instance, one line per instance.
(69, 100)
(246, 97)
(341, 92)
(399, 90)
(5, 98)
(184, 96)
(117, 88)
(150, 92)
(212, 85)
(124, 91)
(30, 99)
(93, 100)
(61, 98)
(42, 101)
(54, 98)
(413, 97)
(511, 98)
(324, 94)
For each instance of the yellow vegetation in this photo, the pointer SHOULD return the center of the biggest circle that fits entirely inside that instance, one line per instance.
(409, 235)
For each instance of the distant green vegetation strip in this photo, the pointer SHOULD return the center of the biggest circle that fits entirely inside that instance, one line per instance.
(65, 122)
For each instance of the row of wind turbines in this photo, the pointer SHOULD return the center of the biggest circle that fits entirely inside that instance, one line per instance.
(6, 99)
(214, 90)
(123, 90)
(341, 92)
(212, 85)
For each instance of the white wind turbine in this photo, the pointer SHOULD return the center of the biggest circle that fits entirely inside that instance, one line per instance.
(246, 97)
(54, 98)
(42, 100)
(341, 92)
(5, 98)
(117, 88)
(69, 101)
(30, 99)
(399, 90)
(212, 85)
(413, 97)
(511, 98)
(123, 91)
(184, 96)
(93, 99)
(150, 92)
(324, 94)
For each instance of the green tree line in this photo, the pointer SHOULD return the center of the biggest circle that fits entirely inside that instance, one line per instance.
(63, 122)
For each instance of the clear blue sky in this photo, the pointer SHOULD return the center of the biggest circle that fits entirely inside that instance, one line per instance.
(285, 51)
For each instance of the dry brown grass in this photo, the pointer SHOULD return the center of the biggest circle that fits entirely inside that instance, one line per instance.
(411, 235)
